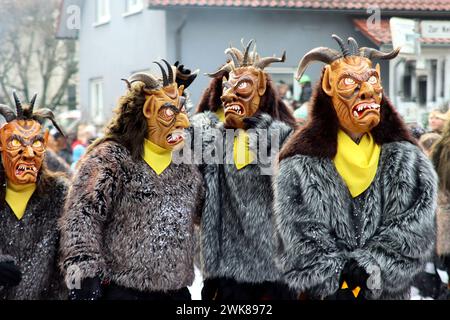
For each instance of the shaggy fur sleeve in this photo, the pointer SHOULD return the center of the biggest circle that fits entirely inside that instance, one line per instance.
(307, 253)
(89, 202)
(405, 237)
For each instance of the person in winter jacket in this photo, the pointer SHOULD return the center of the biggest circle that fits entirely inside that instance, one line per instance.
(355, 197)
(127, 229)
(237, 248)
(31, 202)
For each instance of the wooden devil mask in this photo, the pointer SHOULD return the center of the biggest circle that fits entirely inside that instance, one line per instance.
(245, 85)
(164, 108)
(23, 142)
(351, 81)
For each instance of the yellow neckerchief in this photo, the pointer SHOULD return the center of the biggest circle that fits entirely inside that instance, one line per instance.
(220, 113)
(241, 152)
(156, 157)
(357, 163)
(17, 197)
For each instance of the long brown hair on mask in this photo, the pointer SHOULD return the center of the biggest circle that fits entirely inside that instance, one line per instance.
(273, 105)
(129, 126)
(210, 99)
(318, 138)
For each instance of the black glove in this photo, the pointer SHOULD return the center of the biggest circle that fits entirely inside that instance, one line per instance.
(10, 275)
(184, 76)
(91, 289)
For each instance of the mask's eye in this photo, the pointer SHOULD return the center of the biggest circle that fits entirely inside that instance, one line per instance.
(349, 81)
(243, 86)
(37, 144)
(168, 113)
(373, 80)
(16, 143)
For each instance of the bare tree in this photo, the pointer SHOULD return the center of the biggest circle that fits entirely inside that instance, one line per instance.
(31, 58)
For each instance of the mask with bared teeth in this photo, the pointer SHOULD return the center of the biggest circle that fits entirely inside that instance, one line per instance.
(23, 141)
(352, 82)
(164, 108)
(245, 84)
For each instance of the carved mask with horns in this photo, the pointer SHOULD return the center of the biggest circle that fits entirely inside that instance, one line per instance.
(351, 81)
(246, 84)
(23, 142)
(164, 107)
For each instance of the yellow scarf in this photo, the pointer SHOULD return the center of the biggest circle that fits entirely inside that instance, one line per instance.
(357, 163)
(220, 113)
(241, 152)
(156, 157)
(17, 197)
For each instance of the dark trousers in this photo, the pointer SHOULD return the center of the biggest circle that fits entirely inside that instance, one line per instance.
(115, 292)
(222, 289)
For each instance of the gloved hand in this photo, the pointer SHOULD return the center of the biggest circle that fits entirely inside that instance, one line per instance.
(10, 275)
(184, 76)
(353, 280)
(91, 289)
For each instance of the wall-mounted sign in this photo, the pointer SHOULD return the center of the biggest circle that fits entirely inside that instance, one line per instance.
(435, 29)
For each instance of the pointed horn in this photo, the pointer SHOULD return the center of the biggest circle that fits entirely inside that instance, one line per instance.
(7, 113)
(222, 71)
(150, 81)
(169, 68)
(344, 48)
(264, 62)
(247, 48)
(45, 113)
(232, 52)
(322, 54)
(164, 74)
(32, 102)
(18, 105)
(354, 45)
(371, 53)
(127, 82)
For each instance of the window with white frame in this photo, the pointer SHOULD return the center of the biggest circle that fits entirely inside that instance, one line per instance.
(97, 106)
(133, 6)
(102, 11)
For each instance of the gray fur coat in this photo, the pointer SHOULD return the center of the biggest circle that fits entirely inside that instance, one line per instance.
(32, 243)
(124, 222)
(237, 216)
(315, 236)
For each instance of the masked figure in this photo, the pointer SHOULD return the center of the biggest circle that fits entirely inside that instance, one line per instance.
(32, 200)
(354, 196)
(127, 230)
(236, 245)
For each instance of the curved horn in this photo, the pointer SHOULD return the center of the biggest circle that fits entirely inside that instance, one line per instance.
(45, 113)
(247, 48)
(322, 54)
(127, 82)
(234, 55)
(227, 68)
(169, 68)
(164, 74)
(344, 48)
(32, 102)
(7, 113)
(354, 45)
(150, 81)
(372, 53)
(264, 62)
(18, 105)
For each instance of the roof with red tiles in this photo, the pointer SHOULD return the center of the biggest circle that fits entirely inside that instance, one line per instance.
(381, 33)
(399, 5)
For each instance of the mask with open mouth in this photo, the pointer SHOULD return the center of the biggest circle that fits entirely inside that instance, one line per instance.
(23, 142)
(352, 83)
(245, 85)
(164, 108)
